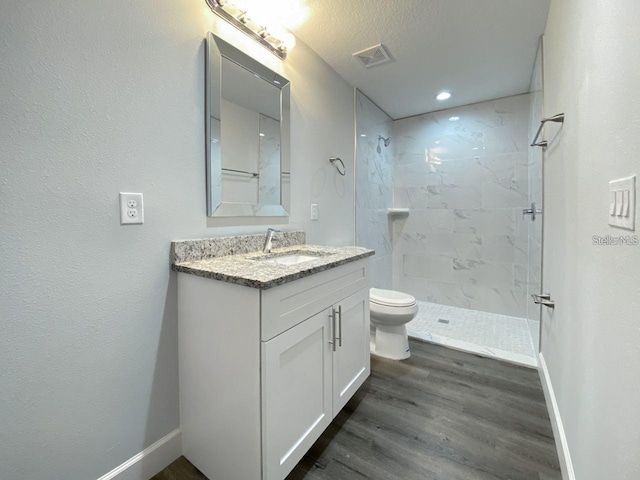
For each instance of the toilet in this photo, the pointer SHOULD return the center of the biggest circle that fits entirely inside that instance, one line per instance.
(390, 312)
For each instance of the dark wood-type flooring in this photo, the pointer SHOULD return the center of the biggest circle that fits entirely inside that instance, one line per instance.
(440, 415)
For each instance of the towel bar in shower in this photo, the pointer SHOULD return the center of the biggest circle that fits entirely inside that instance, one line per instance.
(543, 299)
(559, 118)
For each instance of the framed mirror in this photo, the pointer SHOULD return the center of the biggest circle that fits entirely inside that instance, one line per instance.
(247, 135)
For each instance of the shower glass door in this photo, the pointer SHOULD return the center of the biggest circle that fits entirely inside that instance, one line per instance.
(534, 267)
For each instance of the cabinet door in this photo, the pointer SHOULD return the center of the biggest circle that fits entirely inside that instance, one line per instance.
(297, 393)
(351, 360)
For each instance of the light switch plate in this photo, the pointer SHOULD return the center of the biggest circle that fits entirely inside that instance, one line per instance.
(623, 214)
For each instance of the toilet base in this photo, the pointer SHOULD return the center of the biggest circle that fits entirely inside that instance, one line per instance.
(390, 341)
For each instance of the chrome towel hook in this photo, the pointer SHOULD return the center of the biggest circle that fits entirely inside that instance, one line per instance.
(559, 118)
(334, 161)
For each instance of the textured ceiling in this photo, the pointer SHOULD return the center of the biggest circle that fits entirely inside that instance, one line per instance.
(477, 49)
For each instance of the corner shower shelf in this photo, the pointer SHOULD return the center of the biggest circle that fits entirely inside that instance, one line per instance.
(397, 212)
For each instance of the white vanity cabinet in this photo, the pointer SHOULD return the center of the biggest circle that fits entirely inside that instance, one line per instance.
(264, 372)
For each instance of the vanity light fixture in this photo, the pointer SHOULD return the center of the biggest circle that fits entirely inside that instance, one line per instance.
(240, 19)
(444, 95)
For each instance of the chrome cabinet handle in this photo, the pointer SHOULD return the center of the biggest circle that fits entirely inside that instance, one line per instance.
(340, 324)
(333, 328)
(543, 299)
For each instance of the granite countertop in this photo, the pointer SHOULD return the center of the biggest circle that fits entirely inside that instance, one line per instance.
(250, 269)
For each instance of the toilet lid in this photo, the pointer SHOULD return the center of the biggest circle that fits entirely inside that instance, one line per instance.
(391, 298)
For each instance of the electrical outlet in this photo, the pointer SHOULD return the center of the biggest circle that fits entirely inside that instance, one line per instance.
(131, 209)
(314, 211)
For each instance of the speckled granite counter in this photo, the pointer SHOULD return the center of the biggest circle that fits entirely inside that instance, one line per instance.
(251, 270)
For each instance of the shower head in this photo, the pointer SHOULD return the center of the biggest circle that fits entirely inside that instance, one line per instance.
(387, 141)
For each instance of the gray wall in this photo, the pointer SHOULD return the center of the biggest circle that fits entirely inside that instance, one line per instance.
(591, 342)
(464, 242)
(96, 98)
(374, 187)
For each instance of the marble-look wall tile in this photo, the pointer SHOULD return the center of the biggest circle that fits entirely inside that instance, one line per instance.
(465, 182)
(496, 221)
(445, 293)
(454, 195)
(505, 248)
(374, 187)
(484, 273)
(506, 139)
(380, 268)
(494, 300)
(443, 245)
(426, 266)
(506, 193)
(504, 301)
(420, 223)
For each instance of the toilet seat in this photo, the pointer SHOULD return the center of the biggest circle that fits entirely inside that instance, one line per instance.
(391, 298)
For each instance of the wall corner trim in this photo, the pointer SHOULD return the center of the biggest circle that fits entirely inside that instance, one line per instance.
(556, 422)
(149, 461)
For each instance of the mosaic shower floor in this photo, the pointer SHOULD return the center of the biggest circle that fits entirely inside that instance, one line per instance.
(506, 338)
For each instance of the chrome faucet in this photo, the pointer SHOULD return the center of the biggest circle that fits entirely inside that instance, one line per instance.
(267, 241)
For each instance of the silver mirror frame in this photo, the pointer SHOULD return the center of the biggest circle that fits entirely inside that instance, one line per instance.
(216, 49)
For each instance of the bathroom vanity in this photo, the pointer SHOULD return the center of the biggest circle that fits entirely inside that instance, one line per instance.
(271, 349)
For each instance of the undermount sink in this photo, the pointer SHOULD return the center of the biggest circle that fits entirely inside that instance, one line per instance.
(290, 259)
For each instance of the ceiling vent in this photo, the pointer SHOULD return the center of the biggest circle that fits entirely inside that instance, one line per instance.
(373, 56)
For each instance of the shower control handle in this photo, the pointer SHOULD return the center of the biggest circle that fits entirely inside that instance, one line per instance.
(533, 211)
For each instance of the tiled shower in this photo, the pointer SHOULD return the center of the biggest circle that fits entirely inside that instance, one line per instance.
(464, 250)
(463, 173)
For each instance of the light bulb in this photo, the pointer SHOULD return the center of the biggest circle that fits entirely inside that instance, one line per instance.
(288, 40)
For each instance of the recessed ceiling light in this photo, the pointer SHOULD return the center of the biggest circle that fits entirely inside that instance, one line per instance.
(262, 134)
(363, 134)
(454, 119)
(443, 95)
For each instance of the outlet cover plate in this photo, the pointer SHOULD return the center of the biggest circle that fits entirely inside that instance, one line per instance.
(131, 209)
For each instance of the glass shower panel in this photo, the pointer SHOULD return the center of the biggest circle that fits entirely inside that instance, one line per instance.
(374, 186)
(534, 269)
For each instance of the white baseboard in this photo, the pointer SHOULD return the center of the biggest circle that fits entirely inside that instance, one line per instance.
(556, 422)
(150, 461)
